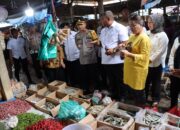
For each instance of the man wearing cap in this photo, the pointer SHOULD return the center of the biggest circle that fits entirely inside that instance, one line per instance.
(86, 40)
(112, 35)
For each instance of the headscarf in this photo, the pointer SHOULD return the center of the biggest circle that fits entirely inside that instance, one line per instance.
(158, 21)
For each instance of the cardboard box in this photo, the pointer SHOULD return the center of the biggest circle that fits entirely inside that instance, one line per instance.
(32, 98)
(129, 125)
(45, 91)
(24, 95)
(88, 120)
(37, 87)
(58, 96)
(57, 85)
(86, 104)
(53, 111)
(106, 108)
(98, 124)
(126, 108)
(167, 127)
(72, 91)
(140, 118)
(138, 126)
(170, 119)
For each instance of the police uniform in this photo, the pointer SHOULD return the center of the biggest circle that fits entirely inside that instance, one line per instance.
(88, 56)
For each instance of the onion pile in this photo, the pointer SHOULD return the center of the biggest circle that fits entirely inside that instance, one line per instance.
(13, 108)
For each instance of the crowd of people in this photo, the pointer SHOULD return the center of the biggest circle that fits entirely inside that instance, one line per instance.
(122, 57)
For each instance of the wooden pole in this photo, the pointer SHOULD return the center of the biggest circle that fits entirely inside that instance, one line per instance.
(178, 11)
(71, 10)
(53, 10)
(4, 77)
(95, 13)
(164, 9)
(100, 7)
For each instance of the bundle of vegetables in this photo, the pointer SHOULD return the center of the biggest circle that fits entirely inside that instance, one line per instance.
(47, 124)
(27, 119)
(2, 126)
(13, 108)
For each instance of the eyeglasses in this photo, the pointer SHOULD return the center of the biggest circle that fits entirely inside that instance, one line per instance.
(149, 22)
(133, 25)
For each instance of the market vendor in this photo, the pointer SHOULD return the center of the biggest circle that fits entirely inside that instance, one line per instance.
(34, 44)
(174, 66)
(86, 41)
(53, 66)
(136, 60)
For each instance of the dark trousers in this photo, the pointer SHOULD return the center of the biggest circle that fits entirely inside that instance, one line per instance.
(17, 65)
(115, 76)
(102, 76)
(36, 65)
(89, 77)
(174, 90)
(72, 71)
(138, 96)
(154, 82)
(54, 74)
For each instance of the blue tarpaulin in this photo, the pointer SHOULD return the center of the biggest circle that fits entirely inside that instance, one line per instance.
(38, 16)
(151, 4)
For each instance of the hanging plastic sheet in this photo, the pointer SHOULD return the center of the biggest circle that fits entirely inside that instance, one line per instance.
(38, 16)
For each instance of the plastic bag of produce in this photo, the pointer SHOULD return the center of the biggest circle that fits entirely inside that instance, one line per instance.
(46, 50)
(71, 110)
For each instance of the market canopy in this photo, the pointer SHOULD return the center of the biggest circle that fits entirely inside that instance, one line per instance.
(16, 7)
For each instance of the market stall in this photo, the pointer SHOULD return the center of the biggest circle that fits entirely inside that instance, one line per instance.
(59, 108)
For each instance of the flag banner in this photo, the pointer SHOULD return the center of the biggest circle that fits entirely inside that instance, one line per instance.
(152, 4)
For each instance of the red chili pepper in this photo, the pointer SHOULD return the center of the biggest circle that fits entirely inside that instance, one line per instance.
(47, 124)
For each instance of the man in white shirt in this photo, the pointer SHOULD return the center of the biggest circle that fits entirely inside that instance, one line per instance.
(18, 55)
(71, 57)
(111, 36)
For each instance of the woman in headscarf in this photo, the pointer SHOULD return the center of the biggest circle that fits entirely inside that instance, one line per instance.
(136, 59)
(159, 41)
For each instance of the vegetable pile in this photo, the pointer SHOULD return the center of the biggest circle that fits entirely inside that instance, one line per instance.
(47, 124)
(13, 108)
(27, 119)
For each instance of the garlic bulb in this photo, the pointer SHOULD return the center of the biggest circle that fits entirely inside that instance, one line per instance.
(12, 122)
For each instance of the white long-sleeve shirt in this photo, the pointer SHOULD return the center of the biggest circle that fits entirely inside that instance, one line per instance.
(17, 46)
(159, 48)
(173, 51)
(110, 38)
(71, 50)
